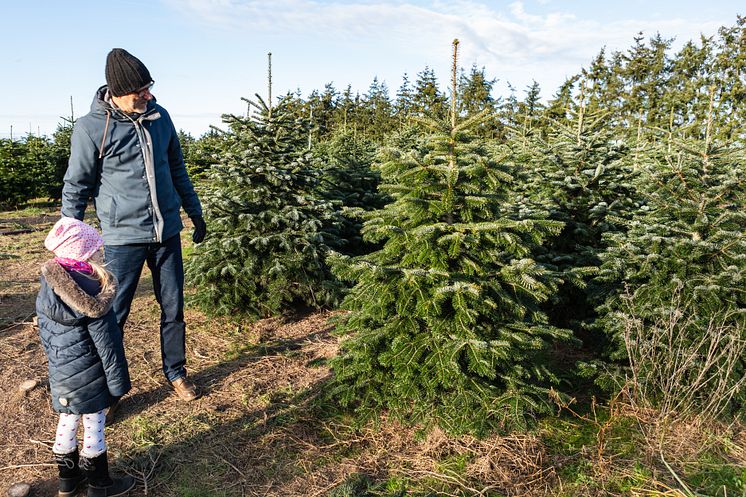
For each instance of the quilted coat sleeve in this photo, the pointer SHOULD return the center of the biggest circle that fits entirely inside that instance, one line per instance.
(107, 338)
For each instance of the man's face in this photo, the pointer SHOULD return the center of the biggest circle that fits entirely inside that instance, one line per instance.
(136, 101)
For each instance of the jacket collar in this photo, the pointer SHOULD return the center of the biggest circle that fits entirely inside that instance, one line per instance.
(102, 104)
(67, 289)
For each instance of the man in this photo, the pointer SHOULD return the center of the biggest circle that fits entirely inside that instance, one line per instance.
(125, 154)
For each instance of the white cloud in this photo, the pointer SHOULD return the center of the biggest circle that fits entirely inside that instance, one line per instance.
(511, 43)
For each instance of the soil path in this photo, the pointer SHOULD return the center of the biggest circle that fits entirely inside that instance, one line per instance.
(246, 436)
(255, 431)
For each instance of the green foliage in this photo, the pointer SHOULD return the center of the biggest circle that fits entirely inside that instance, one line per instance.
(428, 99)
(648, 87)
(267, 230)
(15, 186)
(683, 262)
(58, 157)
(350, 182)
(714, 474)
(377, 112)
(445, 319)
(27, 170)
(34, 166)
(200, 154)
(475, 92)
(575, 172)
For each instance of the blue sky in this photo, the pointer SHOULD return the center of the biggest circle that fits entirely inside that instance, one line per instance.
(206, 54)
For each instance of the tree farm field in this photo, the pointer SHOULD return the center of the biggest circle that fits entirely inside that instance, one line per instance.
(259, 429)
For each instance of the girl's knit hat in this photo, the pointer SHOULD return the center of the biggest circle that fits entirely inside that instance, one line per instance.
(73, 239)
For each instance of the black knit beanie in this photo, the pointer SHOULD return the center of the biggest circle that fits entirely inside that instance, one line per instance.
(125, 73)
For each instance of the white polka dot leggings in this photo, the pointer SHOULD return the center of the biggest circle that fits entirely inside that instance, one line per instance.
(93, 434)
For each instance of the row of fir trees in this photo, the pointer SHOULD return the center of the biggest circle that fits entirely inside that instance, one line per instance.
(33, 166)
(490, 255)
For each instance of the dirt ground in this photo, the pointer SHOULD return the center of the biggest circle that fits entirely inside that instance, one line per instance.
(251, 377)
(257, 430)
(252, 432)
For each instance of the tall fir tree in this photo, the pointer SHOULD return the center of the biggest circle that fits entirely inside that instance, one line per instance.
(404, 103)
(444, 319)
(577, 171)
(475, 95)
(428, 100)
(645, 73)
(683, 258)
(531, 108)
(561, 103)
(267, 229)
(604, 87)
(378, 111)
(730, 68)
(475, 92)
(345, 115)
(319, 109)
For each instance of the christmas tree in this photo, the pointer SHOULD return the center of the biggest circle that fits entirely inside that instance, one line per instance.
(576, 171)
(350, 182)
(268, 232)
(444, 319)
(683, 260)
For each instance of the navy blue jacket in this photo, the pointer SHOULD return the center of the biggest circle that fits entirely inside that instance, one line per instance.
(80, 335)
(133, 169)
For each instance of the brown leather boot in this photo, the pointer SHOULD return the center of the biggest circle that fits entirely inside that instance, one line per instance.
(185, 389)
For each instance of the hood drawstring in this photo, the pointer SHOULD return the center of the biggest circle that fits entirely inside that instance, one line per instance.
(103, 138)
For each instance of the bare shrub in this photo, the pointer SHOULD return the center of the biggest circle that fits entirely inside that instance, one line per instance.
(684, 365)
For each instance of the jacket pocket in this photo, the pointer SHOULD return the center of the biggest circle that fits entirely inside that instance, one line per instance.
(113, 218)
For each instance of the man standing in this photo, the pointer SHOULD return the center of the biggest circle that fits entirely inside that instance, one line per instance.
(125, 154)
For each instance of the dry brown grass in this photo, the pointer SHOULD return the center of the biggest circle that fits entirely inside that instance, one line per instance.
(255, 431)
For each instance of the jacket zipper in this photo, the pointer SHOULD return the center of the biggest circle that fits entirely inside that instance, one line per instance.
(143, 137)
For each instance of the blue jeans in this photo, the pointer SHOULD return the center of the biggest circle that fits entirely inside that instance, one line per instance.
(166, 265)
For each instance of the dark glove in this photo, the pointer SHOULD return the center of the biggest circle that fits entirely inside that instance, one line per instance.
(200, 229)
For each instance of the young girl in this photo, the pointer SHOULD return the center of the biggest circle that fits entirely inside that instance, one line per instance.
(87, 367)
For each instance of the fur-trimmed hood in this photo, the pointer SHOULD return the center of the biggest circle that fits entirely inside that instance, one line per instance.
(62, 284)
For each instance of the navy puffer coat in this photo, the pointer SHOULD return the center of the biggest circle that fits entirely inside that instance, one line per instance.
(80, 335)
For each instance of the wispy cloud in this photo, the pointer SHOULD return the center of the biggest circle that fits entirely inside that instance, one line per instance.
(510, 42)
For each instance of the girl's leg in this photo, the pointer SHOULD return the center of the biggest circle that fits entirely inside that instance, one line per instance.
(95, 462)
(94, 442)
(65, 442)
(65, 452)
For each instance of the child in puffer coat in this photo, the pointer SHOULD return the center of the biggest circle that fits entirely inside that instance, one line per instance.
(87, 366)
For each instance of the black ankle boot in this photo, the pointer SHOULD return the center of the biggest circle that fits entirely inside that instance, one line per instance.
(71, 477)
(100, 483)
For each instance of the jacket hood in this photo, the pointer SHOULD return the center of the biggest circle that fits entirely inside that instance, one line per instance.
(70, 293)
(102, 107)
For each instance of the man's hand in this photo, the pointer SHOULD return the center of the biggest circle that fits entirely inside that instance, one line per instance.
(200, 229)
